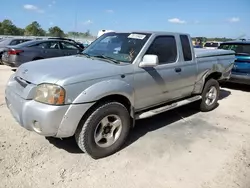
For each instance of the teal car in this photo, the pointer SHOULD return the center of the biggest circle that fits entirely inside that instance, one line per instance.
(241, 70)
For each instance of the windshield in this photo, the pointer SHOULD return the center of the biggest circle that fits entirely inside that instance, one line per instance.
(122, 47)
(238, 48)
(211, 44)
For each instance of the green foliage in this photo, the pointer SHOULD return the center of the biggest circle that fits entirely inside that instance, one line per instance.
(204, 39)
(56, 32)
(35, 29)
(8, 28)
(79, 34)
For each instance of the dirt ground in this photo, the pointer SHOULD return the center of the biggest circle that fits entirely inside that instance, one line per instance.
(182, 148)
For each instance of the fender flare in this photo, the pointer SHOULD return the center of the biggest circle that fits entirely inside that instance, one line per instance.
(106, 88)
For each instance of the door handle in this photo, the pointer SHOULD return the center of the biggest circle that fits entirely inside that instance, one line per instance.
(178, 69)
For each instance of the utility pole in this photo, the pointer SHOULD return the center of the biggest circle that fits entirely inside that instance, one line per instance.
(75, 18)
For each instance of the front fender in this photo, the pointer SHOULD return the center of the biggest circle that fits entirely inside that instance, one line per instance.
(106, 88)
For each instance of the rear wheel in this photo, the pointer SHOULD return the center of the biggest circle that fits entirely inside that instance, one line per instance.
(210, 95)
(105, 130)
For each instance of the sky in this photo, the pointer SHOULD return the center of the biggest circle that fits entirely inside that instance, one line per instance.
(209, 18)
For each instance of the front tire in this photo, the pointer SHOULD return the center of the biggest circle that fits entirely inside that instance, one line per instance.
(210, 95)
(104, 131)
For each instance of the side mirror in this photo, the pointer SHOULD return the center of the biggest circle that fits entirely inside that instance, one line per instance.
(149, 61)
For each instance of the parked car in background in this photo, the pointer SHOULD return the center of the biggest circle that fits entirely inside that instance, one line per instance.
(241, 70)
(71, 40)
(103, 31)
(39, 49)
(120, 77)
(211, 45)
(9, 42)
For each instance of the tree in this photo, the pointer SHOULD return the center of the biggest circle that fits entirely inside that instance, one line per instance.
(1, 30)
(56, 32)
(87, 34)
(79, 34)
(34, 29)
(20, 31)
(8, 28)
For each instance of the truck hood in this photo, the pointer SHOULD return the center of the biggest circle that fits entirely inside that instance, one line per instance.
(67, 68)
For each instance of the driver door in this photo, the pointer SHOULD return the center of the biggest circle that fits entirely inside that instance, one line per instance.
(155, 85)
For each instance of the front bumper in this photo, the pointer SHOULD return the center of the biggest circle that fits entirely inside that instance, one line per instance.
(47, 120)
(240, 78)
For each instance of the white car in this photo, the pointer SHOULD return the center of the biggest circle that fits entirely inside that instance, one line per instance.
(212, 45)
(101, 32)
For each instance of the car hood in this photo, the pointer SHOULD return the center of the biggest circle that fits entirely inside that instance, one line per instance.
(67, 70)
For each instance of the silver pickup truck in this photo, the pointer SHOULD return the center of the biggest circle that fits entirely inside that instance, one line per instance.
(97, 95)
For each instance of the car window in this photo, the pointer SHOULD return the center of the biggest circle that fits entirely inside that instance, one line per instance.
(186, 48)
(237, 47)
(68, 46)
(49, 45)
(165, 48)
(23, 40)
(14, 42)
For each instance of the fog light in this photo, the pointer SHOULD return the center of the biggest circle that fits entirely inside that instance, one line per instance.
(36, 126)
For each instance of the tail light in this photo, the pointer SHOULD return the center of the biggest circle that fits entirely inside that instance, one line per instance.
(14, 52)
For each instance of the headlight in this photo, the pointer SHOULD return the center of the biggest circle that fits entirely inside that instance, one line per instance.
(50, 94)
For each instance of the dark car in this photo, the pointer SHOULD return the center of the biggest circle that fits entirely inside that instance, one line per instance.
(71, 40)
(241, 70)
(39, 49)
(9, 42)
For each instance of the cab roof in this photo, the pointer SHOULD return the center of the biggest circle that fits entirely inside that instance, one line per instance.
(153, 32)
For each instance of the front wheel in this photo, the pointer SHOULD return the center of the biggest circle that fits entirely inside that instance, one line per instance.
(105, 130)
(210, 95)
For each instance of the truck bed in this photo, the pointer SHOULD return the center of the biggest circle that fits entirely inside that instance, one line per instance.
(200, 52)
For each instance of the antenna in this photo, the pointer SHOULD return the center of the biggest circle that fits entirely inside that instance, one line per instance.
(240, 37)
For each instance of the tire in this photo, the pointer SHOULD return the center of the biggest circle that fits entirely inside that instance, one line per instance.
(87, 130)
(204, 106)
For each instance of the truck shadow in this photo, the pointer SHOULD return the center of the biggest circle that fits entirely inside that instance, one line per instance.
(224, 94)
(67, 144)
(142, 127)
(235, 86)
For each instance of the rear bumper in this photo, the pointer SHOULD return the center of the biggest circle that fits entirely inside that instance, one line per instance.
(10, 64)
(46, 120)
(12, 61)
(240, 78)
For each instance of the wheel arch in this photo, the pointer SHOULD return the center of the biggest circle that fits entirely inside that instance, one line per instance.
(199, 86)
(110, 98)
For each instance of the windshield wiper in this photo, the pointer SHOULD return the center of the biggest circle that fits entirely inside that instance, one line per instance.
(108, 58)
